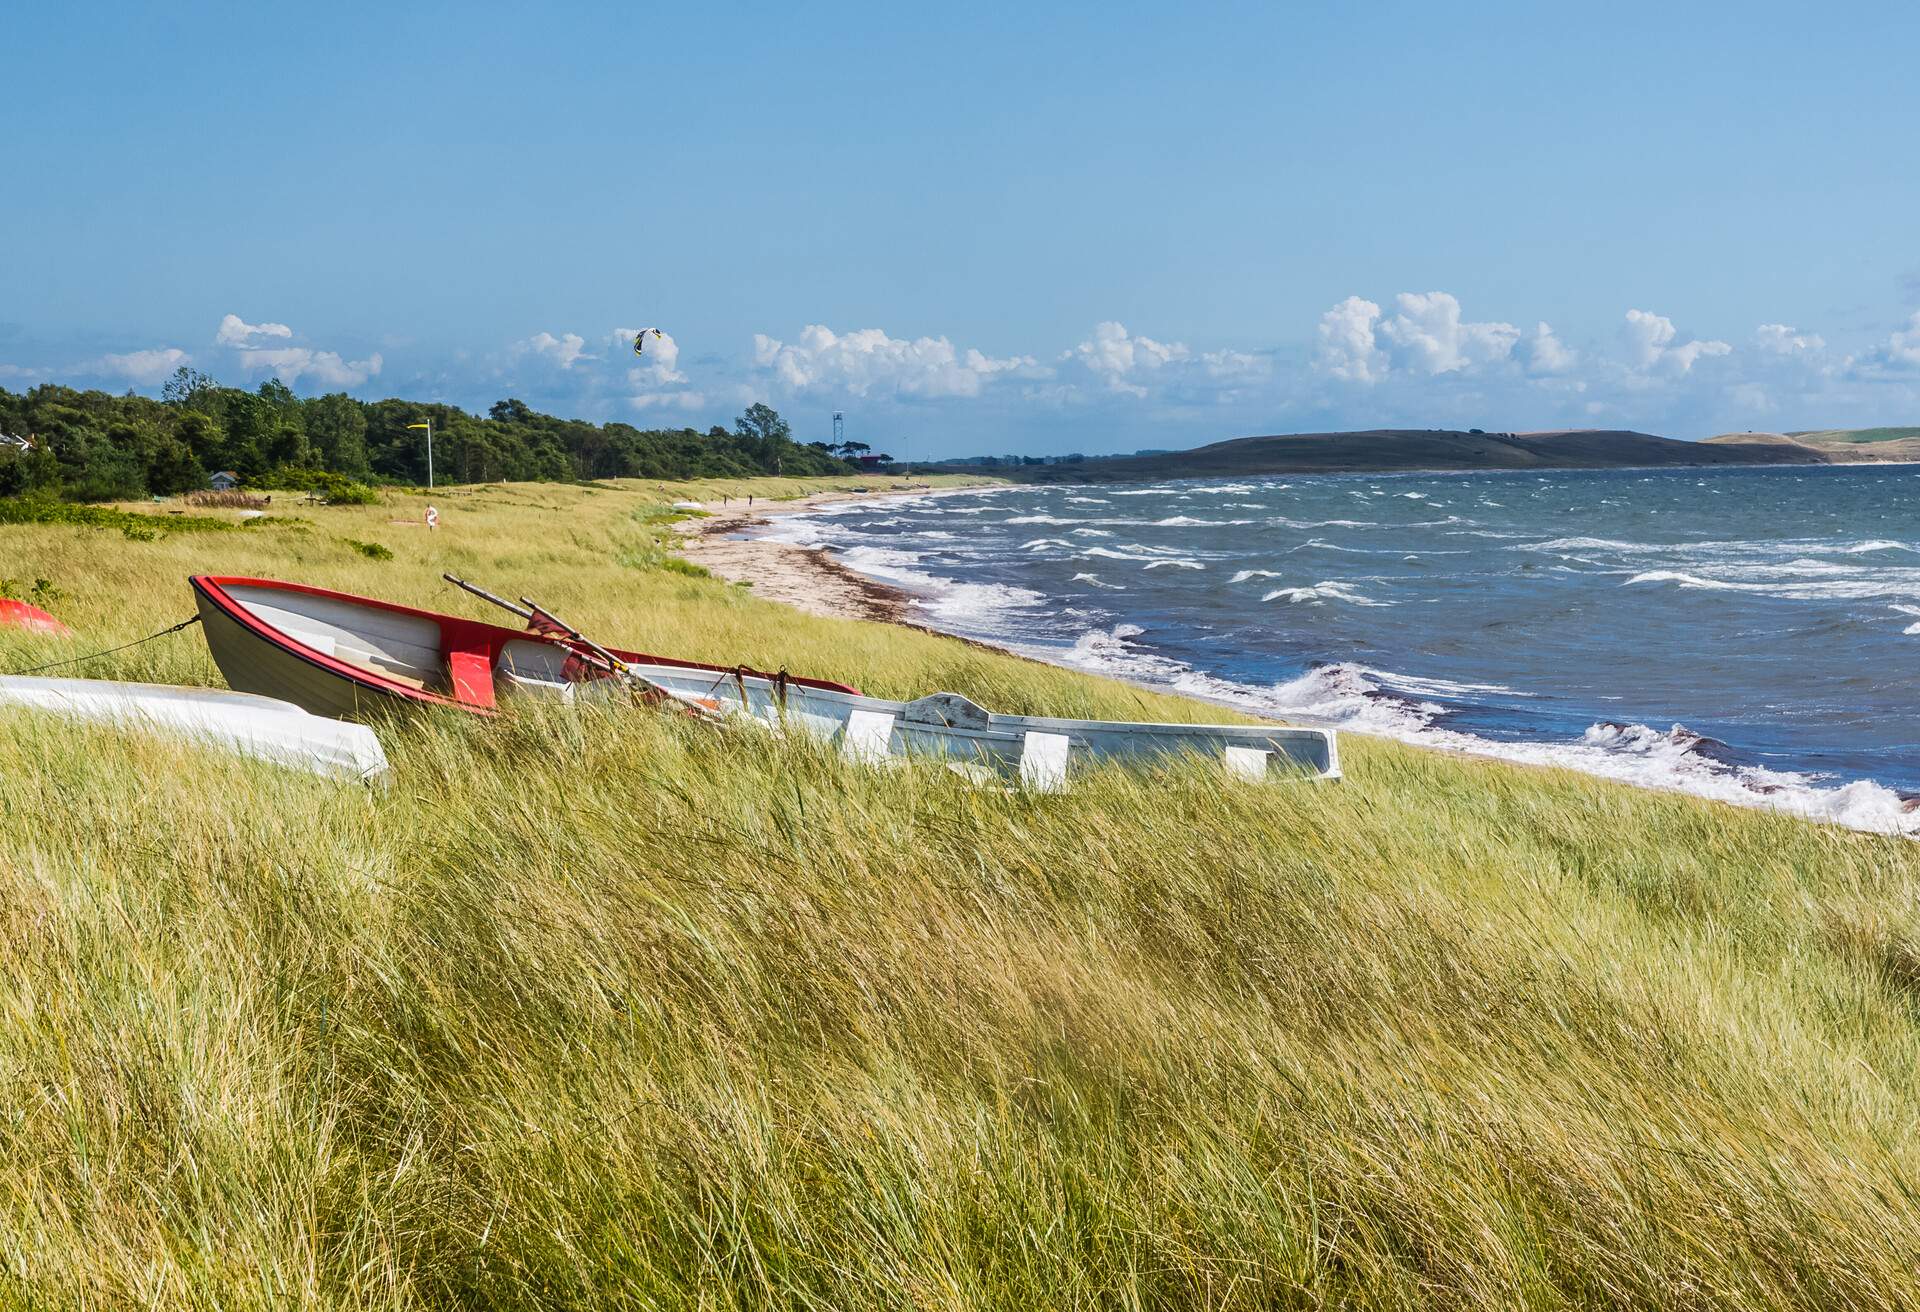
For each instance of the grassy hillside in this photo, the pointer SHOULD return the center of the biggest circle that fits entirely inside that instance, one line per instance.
(1855, 436)
(1383, 450)
(1838, 445)
(606, 1010)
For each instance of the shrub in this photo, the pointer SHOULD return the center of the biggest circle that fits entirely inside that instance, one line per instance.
(371, 550)
(139, 528)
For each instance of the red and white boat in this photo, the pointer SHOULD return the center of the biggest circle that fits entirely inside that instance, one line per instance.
(345, 656)
(348, 657)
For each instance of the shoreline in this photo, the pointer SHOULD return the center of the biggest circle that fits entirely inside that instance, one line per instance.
(807, 578)
(811, 579)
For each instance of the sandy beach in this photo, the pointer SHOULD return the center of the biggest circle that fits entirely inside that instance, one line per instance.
(806, 578)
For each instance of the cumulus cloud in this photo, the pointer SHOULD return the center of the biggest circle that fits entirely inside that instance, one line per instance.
(868, 361)
(143, 367)
(1779, 339)
(290, 364)
(1546, 354)
(1347, 347)
(658, 365)
(235, 331)
(1121, 360)
(1652, 344)
(1426, 335)
(1429, 335)
(1903, 348)
(562, 351)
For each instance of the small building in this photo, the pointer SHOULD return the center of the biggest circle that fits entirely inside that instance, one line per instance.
(20, 444)
(224, 481)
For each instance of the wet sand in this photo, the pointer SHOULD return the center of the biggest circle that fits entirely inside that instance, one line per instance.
(806, 578)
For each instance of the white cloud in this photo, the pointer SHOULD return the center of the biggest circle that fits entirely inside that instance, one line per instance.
(1546, 354)
(143, 367)
(562, 351)
(235, 331)
(1429, 335)
(1780, 339)
(1347, 348)
(1903, 348)
(658, 365)
(1651, 344)
(1425, 336)
(667, 400)
(868, 360)
(292, 363)
(1118, 358)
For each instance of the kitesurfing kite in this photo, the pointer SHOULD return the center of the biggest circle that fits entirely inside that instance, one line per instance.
(640, 338)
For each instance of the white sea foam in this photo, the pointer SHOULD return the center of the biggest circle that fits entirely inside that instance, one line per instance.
(1174, 564)
(1042, 519)
(1330, 590)
(1099, 582)
(1246, 574)
(1091, 533)
(1856, 589)
(969, 605)
(1677, 760)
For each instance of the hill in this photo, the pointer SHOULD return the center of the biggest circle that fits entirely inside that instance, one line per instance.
(1838, 445)
(1383, 450)
(609, 1010)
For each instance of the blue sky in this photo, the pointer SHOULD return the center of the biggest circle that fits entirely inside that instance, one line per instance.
(992, 227)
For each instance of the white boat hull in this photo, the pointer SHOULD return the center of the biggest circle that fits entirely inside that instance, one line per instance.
(1040, 751)
(259, 727)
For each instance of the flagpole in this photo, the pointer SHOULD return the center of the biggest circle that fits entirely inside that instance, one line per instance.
(429, 427)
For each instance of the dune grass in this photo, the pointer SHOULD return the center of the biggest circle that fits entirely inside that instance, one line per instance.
(608, 1010)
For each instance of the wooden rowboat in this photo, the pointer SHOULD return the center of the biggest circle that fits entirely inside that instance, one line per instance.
(351, 657)
(342, 655)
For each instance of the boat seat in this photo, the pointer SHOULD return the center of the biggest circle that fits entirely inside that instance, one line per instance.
(470, 675)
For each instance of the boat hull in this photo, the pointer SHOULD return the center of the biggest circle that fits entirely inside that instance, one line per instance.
(256, 726)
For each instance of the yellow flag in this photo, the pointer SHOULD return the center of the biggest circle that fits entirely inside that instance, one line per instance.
(419, 425)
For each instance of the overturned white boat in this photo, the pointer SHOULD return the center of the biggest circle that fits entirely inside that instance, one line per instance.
(239, 722)
(1039, 751)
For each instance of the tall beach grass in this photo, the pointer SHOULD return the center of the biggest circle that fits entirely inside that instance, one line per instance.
(610, 1010)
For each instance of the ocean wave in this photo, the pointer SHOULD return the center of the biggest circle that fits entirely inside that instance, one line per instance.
(1677, 760)
(1174, 564)
(1331, 590)
(1091, 533)
(1041, 519)
(1246, 574)
(1187, 521)
(969, 605)
(1837, 590)
(1099, 582)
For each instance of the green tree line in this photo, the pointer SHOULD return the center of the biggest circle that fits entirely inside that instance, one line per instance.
(96, 446)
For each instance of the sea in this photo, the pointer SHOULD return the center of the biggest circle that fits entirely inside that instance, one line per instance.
(1747, 634)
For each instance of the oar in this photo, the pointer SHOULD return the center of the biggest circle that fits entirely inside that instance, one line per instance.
(621, 667)
(608, 662)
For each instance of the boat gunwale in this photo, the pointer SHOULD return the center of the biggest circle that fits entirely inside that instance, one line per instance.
(212, 588)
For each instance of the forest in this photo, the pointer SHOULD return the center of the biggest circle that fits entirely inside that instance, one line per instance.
(96, 446)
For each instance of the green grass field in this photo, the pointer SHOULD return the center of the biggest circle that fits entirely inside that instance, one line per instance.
(606, 1010)
(1856, 435)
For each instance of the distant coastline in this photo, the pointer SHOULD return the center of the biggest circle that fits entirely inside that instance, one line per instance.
(1390, 450)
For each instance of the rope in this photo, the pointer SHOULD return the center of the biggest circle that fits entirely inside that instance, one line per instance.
(54, 665)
